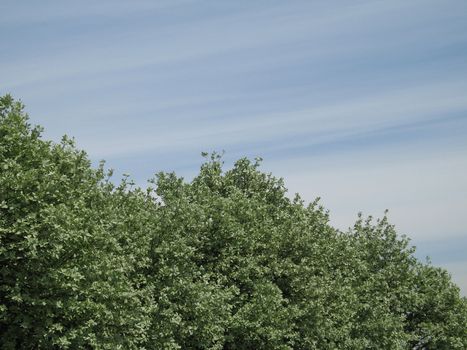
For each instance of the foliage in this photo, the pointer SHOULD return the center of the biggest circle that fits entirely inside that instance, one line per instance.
(74, 249)
(226, 261)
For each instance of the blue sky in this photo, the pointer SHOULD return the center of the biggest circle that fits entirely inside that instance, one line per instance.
(363, 103)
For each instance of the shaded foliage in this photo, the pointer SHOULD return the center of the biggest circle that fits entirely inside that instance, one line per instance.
(226, 261)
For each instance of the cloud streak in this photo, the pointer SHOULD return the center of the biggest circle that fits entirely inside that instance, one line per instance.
(326, 123)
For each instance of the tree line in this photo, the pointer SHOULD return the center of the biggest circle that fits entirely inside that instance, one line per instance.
(225, 261)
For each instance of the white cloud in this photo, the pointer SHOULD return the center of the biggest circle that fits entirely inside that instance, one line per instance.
(325, 123)
(321, 27)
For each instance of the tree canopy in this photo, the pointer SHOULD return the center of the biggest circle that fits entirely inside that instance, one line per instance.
(224, 261)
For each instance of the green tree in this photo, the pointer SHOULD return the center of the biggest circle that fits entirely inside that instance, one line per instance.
(225, 261)
(74, 249)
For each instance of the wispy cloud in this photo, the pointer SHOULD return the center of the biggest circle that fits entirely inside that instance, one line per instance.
(331, 122)
(320, 30)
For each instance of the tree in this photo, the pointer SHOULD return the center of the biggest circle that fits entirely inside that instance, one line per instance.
(73, 248)
(225, 261)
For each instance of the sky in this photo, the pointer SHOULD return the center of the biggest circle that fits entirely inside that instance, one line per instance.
(361, 103)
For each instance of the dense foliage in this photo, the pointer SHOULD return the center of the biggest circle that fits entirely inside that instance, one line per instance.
(226, 261)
